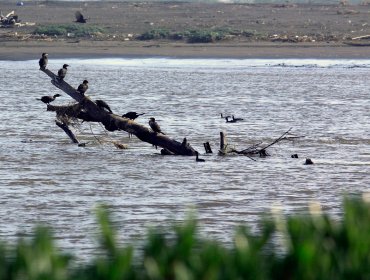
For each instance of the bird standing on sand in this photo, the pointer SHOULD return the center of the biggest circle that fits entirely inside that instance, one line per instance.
(43, 61)
(48, 99)
(103, 105)
(132, 115)
(63, 72)
(155, 126)
(82, 88)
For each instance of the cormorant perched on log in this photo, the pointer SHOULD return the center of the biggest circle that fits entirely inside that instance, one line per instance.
(103, 105)
(82, 88)
(132, 115)
(62, 72)
(155, 126)
(43, 61)
(184, 142)
(79, 17)
(47, 99)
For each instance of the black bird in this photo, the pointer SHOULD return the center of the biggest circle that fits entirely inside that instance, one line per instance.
(184, 142)
(197, 157)
(79, 17)
(47, 99)
(62, 72)
(43, 61)
(155, 126)
(82, 88)
(103, 105)
(132, 115)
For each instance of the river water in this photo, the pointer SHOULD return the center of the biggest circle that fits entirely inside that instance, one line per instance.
(44, 179)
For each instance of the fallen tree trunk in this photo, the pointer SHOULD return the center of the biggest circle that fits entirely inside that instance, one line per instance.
(87, 110)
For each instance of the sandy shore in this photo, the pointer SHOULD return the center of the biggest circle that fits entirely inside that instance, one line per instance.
(326, 30)
(32, 50)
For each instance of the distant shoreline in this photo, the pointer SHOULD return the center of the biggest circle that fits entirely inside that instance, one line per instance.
(18, 51)
(264, 30)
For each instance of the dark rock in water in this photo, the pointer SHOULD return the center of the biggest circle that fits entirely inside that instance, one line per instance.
(308, 161)
(294, 156)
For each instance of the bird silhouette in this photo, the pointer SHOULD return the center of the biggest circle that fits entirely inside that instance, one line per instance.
(132, 115)
(48, 99)
(155, 126)
(62, 72)
(79, 17)
(103, 105)
(43, 62)
(82, 88)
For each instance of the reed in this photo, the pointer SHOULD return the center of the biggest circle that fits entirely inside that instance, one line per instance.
(310, 246)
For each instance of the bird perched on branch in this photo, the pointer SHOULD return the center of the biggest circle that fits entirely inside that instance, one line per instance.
(82, 88)
(48, 99)
(103, 105)
(132, 115)
(43, 61)
(62, 72)
(79, 17)
(155, 126)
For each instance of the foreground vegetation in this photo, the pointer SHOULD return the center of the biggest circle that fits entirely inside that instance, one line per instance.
(301, 247)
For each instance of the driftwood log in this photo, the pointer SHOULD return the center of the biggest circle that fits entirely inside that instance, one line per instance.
(87, 110)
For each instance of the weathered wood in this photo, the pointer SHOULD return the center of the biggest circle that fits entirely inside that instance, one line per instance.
(112, 122)
(67, 131)
(207, 148)
(223, 144)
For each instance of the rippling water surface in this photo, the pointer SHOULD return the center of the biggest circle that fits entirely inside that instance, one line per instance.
(46, 179)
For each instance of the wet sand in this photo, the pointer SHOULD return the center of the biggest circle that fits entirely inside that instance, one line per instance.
(322, 31)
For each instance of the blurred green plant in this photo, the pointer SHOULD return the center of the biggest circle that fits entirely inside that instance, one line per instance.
(315, 247)
(154, 34)
(195, 35)
(70, 30)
